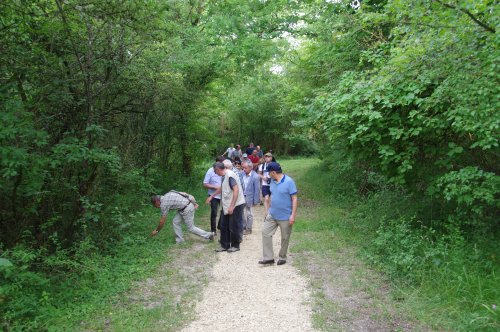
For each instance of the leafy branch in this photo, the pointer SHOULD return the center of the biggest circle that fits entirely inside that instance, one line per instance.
(468, 13)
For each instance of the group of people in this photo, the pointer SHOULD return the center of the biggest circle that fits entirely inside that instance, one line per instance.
(235, 183)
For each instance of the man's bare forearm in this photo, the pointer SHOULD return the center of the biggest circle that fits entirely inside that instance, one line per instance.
(162, 223)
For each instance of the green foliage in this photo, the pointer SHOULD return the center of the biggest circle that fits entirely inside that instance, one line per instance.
(472, 188)
(413, 97)
(403, 100)
(103, 103)
(399, 249)
(95, 97)
(73, 286)
(257, 114)
(452, 273)
(59, 289)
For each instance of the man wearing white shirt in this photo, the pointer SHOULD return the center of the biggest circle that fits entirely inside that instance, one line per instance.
(212, 182)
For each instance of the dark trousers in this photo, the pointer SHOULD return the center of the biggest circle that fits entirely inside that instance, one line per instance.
(230, 229)
(214, 206)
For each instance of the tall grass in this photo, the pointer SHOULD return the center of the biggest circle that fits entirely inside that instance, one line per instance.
(446, 279)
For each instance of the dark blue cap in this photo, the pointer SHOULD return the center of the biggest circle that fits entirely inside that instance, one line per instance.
(274, 167)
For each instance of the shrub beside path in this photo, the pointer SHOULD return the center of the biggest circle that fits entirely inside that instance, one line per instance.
(243, 295)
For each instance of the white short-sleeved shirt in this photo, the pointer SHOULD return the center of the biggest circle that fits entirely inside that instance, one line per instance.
(212, 178)
(263, 169)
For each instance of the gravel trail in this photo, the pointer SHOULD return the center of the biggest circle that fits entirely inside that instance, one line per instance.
(245, 296)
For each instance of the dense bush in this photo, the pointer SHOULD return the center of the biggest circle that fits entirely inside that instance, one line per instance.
(419, 103)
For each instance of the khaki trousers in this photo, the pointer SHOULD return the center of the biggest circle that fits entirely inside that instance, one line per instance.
(188, 217)
(268, 229)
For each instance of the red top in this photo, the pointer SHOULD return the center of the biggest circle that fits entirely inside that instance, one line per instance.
(254, 159)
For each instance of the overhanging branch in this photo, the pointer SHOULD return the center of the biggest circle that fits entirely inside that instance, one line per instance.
(468, 13)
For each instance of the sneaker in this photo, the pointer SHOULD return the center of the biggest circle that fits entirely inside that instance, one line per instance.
(247, 231)
(220, 249)
(233, 249)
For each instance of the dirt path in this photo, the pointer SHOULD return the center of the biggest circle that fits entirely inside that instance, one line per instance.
(231, 291)
(245, 296)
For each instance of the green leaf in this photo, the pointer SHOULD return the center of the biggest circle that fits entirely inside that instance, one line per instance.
(4, 262)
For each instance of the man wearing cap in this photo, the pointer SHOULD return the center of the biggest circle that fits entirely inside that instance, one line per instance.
(274, 158)
(232, 201)
(265, 180)
(282, 210)
(185, 204)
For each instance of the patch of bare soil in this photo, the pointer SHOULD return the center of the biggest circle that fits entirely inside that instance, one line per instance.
(180, 280)
(348, 297)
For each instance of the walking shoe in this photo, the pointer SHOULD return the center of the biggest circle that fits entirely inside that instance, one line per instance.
(247, 231)
(233, 249)
(281, 262)
(211, 237)
(220, 249)
(266, 261)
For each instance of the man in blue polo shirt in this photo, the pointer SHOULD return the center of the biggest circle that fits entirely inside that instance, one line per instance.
(282, 210)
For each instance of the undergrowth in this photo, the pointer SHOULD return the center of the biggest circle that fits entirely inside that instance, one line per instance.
(65, 290)
(446, 277)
